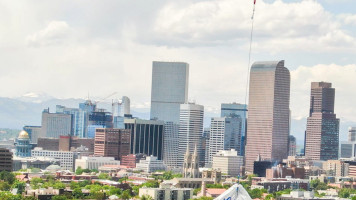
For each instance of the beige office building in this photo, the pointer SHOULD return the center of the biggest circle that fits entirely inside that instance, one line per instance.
(268, 113)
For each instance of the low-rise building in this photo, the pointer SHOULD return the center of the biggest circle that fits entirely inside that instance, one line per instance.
(34, 162)
(131, 160)
(166, 192)
(150, 164)
(282, 171)
(228, 162)
(95, 162)
(66, 158)
(336, 168)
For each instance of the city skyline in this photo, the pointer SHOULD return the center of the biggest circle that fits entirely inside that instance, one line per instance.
(55, 33)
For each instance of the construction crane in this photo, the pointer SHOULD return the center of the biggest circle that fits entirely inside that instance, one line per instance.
(250, 50)
(96, 102)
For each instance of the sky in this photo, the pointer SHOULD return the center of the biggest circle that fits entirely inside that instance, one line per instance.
(69, 48)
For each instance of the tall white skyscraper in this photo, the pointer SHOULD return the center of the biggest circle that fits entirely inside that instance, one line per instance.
(225, 134)
(169, 89)
(191, 131)
(120, 108)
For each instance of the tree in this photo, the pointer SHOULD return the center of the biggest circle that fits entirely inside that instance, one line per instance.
(114, 191)
(84, 183)
(10, 196)
(4, 186)
(97, 195)
(35, 182)
(7, 177)
(59, 185)
(79, 171)
(126, 195)
(20, 187)
(317, 185)
(204, 198)
(104, 176)
(196, 191)
(151, 184)
(255, 193)
(59, 197)
(77, 193)
(146, 197)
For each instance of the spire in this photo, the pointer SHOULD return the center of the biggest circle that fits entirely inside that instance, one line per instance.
(187, 152)
(195, 150)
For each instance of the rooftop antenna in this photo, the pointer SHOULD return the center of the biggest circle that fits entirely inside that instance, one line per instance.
(250, 50)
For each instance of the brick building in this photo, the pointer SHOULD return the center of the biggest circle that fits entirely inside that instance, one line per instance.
(112, 142)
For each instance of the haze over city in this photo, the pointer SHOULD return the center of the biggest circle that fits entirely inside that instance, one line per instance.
(181, 100)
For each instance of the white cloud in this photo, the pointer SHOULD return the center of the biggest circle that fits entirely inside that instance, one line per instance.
(54, 33)
(343, 80)
(348, 19)
(279, 26)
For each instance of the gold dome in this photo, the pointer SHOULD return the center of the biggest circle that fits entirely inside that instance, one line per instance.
(24, 135)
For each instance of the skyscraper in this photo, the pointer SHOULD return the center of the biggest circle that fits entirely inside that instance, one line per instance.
(352, 134)
(171, 143)
(225, 134)
(268, 118)
(240, 111)
(191, 131)
(120, 108)
(33, 132)
(292, 151)
(322, 135)
(146, 136)
(55, 124)
(169, 89)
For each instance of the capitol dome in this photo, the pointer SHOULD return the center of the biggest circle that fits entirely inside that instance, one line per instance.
(23, 135)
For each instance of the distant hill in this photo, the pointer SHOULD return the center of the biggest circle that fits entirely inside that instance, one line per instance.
(27, 110)
(6, 133)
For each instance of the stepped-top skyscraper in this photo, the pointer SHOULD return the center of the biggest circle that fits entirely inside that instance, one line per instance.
(268, 113)
(322, 135)
(169, 89)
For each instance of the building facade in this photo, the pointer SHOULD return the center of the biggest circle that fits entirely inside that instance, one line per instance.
(112, 142)
(55, 124)
(225, 134)
(191, 131)
(322, 134)
(120, 108)
(33, 132)
(240, 111)
(292, 151)
(150, 164)
(167, 193)
(169, 90)
(352, 134)
(66, 158)
(95, 162)
(171, 144)
(268, 117)
(5, 160)
(228, 162)
(147, 136)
